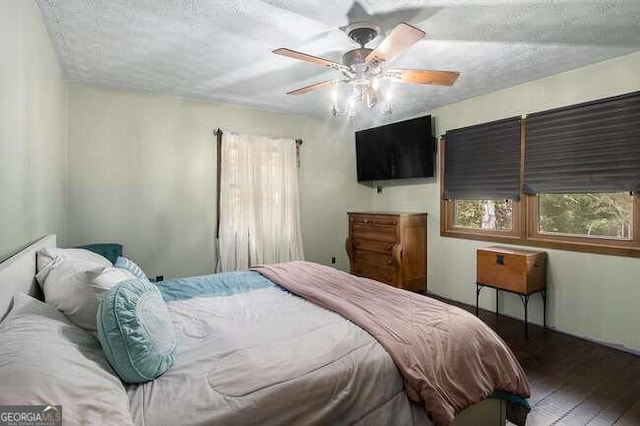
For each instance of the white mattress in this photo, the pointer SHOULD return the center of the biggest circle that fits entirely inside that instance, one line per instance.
(266, 357)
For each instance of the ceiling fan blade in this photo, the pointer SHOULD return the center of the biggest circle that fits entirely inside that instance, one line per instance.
(311, 87)
(439, 78)
(401, 38)
(307, 58)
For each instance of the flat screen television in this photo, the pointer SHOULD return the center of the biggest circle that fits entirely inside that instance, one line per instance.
(402, 150)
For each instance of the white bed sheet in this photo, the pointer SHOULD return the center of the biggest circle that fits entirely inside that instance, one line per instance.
(267, 357)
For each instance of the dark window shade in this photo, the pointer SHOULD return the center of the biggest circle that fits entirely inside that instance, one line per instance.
(483, 161)
(590, 147)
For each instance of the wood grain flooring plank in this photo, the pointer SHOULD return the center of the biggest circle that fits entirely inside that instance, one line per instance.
(626, 399)
(606, 394)
(631, 417)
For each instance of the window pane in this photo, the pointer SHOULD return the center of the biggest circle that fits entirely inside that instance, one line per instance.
(484, 214)
(587, 215)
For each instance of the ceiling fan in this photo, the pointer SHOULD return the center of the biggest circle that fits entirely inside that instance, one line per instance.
(364, 68)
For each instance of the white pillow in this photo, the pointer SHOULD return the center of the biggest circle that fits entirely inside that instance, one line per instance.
(44, 359)
(75, 287)
(109, 277)
(48, 254)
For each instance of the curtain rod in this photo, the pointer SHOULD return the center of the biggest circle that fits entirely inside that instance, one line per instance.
(218, 132)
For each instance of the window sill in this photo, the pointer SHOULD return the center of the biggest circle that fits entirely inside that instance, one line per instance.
(612, 248)
(607, 247)
(472, 234)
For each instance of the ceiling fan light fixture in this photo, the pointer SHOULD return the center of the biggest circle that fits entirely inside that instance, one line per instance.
(362, 97)
(364, 68)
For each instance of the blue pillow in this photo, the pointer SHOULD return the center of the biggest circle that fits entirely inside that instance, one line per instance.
(109, 250)
(135, 331)
(130, 265)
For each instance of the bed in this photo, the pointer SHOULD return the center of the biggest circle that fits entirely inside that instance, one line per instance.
(251, 352)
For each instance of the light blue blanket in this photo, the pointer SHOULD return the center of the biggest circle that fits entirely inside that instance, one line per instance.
(223, 284)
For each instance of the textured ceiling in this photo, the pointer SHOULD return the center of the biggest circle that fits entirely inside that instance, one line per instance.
(220, 50)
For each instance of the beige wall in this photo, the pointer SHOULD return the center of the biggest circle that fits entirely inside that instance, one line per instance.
(594, 296)
(32, 130)
(142, 173)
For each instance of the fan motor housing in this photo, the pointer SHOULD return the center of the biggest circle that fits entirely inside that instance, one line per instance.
(355, 59)
(355, 56)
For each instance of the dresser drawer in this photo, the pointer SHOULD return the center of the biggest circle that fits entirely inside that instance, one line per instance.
(378, 273)
(375, 246)
(374, 220)
(373, 258)
(371, 232)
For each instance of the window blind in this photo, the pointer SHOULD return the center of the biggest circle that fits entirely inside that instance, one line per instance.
(483, 161)
(590, 147)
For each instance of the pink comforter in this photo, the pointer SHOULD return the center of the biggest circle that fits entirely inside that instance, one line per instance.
(449, 359)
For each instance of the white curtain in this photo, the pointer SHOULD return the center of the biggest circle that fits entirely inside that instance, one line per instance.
(259, 202)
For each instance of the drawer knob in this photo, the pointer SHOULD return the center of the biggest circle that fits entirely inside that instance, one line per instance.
(389, 262)
(389, 248)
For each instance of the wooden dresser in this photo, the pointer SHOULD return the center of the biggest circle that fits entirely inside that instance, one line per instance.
(390, 248)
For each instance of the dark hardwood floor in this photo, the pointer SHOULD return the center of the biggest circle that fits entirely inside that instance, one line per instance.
(573, 381)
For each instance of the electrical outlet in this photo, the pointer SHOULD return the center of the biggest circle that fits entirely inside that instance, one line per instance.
(333, 260)
(159, 278)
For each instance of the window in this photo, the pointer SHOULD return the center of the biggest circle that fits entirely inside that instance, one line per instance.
(482, 191)
(579, 178)
(586, 215)
(604, 223)
(484, 214)
(259, 219)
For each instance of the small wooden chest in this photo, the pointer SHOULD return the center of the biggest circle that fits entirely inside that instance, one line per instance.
(516, 270)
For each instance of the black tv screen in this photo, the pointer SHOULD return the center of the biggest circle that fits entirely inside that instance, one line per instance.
(403, 150)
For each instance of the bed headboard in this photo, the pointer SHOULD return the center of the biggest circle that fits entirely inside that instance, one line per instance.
(17, 274)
